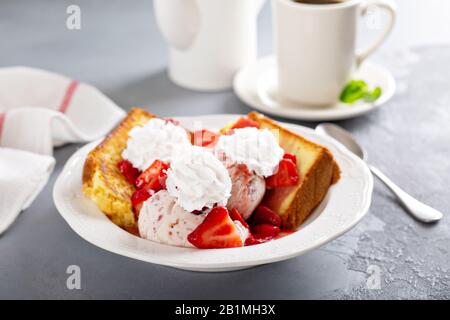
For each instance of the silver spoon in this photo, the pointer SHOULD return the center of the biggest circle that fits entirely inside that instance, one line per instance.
(417, 209)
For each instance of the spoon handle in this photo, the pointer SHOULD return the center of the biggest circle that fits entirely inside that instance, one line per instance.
(416, 208)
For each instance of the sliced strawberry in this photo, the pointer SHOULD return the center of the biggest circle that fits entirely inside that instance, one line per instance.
(162, 179)
(216, 231)
(245, 122)
(205, 138)
(265, 231)
(262, 233)
(138, 197)
(127, 169)
(264, 215)
(251, 240)
(290, 156)
(153, 177)
(236, 216)
(287, 175)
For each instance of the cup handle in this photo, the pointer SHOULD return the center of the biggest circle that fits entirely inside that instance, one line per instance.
(391, 8)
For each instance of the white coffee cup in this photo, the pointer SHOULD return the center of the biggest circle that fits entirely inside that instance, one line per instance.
(315, 46)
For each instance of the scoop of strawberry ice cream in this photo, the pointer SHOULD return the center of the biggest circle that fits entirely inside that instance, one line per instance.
(162, 220)
(247, 189)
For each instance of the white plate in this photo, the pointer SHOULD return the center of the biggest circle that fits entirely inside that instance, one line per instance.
(256, 85)
(344, 205)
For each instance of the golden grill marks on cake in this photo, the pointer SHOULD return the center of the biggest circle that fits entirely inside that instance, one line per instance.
(102, 180)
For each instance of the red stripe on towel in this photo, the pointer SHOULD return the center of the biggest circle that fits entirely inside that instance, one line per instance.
(2, 121)
(68, 96)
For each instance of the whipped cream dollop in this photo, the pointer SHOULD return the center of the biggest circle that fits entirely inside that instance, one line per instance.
(162, 220)
(157, 139)
(198, 180)
(257, 149)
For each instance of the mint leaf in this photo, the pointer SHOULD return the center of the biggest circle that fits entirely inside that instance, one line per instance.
(358, 89)
(373, 96)
(353, 91)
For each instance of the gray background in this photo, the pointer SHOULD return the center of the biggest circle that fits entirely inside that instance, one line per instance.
(120, 51)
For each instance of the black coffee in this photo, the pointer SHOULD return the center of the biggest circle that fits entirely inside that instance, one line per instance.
(318, 1)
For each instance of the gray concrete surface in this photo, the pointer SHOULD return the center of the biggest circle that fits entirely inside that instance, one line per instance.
(120, 51)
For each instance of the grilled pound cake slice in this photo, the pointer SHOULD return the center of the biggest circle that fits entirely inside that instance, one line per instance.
(317, 168)
(102, 180)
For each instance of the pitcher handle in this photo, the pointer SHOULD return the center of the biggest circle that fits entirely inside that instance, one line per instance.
(259, 5)
(178, 21)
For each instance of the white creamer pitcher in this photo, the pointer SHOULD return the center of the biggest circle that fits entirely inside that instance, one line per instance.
(209, 40)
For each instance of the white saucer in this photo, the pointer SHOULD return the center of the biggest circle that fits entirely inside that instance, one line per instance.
(344, 205)
(256, 85)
